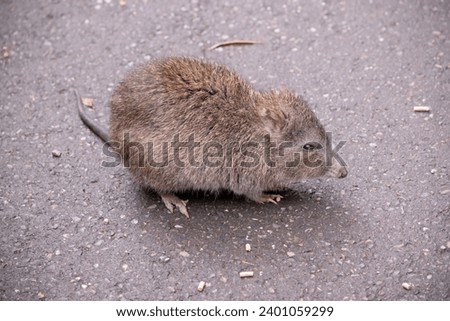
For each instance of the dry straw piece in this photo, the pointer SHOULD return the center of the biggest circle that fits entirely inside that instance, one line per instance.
(233, 43)
(246, 274)
(422, 108)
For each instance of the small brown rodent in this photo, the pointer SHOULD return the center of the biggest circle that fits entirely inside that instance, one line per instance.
(182, 124)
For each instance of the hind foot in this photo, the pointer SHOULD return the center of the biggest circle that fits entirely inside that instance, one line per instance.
(170, 200)
(266, 198)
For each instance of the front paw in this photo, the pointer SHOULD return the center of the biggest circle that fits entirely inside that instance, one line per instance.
(170, 200)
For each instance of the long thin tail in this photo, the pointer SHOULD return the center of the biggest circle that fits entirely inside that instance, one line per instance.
(93, 126)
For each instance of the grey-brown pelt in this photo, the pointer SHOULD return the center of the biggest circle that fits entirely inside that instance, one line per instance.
(184, 124)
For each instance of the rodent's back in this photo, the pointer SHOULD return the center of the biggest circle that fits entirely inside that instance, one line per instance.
(181, 93)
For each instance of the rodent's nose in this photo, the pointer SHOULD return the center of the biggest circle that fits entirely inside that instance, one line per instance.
(342, 172)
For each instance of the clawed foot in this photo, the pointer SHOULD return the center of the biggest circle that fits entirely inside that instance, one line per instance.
(170, 200)
(266, 198)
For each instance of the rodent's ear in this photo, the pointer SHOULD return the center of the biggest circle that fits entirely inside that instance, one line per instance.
(273, 118)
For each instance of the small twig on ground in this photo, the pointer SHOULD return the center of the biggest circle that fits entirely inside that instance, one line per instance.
(234, 43)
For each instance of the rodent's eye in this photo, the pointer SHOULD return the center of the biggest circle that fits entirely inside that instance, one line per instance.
(308, 147)
(312, 146)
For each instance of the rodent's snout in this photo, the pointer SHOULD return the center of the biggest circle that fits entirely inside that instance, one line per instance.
(342, 172)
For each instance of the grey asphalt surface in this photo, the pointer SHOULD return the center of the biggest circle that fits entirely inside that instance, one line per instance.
(72, 230)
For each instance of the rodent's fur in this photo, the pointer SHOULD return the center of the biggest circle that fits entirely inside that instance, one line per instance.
(192, 101)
